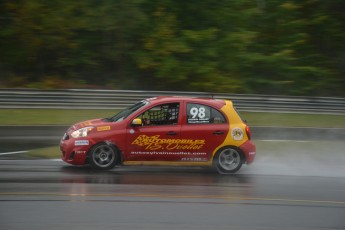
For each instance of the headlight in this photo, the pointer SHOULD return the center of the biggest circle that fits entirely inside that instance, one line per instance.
(83, 132)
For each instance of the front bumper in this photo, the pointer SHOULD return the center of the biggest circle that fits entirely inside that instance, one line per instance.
(74, 151)
(249, 150)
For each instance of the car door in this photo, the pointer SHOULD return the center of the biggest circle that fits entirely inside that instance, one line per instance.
(205, 125)
(154, 139)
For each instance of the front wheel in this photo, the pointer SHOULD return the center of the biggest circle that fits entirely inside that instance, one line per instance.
(102, 156)
(228, 160)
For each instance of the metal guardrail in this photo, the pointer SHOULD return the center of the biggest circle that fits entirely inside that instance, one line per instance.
(119, 99)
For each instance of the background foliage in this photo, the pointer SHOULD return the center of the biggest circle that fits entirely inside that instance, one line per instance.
(291, 47)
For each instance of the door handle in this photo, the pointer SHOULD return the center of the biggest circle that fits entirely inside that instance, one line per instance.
(218, 133)
(171, 133)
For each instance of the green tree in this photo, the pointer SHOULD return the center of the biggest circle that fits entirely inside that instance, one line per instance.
(287, 47)
(193, 49)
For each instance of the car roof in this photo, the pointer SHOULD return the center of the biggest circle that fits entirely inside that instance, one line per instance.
(167, 99)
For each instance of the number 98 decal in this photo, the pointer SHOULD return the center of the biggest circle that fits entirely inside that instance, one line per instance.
(197, 112)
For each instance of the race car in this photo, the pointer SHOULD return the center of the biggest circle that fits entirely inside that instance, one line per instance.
(169, 130)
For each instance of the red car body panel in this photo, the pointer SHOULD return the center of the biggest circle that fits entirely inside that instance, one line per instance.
(189, 144)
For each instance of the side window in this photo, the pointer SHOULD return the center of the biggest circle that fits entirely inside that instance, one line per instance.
(203, 114)
(165, 114)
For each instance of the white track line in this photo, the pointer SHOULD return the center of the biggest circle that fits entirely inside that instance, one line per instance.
(284, 141)
(9, 153)
(55, 159)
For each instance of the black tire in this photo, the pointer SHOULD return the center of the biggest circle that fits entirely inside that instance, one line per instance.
(228, 160)
(103, 156)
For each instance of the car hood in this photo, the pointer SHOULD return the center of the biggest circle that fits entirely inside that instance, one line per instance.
(94, 122)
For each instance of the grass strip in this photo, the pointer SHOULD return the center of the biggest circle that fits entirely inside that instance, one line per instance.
(68, 117)
(45, 153)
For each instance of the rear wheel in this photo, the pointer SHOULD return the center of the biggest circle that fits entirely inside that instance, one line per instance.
(102, 156)
(228, 160)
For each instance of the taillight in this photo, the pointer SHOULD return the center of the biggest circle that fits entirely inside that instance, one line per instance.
(249, 135)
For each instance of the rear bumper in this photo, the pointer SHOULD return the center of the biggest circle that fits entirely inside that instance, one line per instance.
(249, 150)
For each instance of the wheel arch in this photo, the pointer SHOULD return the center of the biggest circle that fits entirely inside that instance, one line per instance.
(243, 156)
(219, 160)
(119, 159)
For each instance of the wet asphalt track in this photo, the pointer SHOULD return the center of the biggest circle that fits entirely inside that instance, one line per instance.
(270, 194)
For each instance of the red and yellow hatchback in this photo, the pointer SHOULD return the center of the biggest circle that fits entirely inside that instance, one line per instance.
(179, 131)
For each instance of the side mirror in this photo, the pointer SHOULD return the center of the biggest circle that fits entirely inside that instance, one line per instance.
(137, 122)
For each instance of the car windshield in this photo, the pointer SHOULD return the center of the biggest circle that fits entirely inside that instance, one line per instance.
(126, 112)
